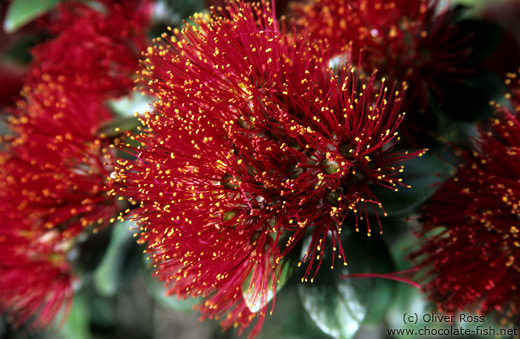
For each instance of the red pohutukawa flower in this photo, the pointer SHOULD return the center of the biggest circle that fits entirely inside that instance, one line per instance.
(95, 48)
(35, 277)
(472, 258)
(52, 178)
(405, 40)
(54, 164)
(253, 142)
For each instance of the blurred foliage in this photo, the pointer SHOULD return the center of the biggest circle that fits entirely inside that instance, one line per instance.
(21, 12)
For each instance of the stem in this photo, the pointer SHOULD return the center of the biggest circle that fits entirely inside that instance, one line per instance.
(391, 276)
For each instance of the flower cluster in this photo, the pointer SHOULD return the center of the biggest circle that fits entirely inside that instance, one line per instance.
(102, 46)
(253, 142)
(53, 163)
(52, 179)
(408, 41)
(471, 248)
(35, 276)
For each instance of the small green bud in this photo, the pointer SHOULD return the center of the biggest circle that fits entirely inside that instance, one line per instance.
(226, 182)
(330, 166)
(229, 215)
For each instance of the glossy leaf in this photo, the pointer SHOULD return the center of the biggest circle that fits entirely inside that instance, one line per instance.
(422, 174)
(159, 293)
(469, 100)
(289, 319)
(118, 125)
(89, 250)
(129, 105)
(287, 268)
(21, 12)
(339, 305)
(185, 8)
(334, 307)
(482, 38)
(77, 324)
(120, 262)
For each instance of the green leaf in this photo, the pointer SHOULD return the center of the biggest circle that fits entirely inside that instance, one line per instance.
(77, 324)
(473, 3)
(334, 306)
(289, 319)
(103, 311)
(482, 38)
(117, 125)
(159, 293)
(421, 173)
(460, 133)
(21, 12)
(185, 8)
(88, 251)
(19, 51)
(371, 255)
(120, 262)
(129, 105)
(340, 305)
(469, 100)
(411, 301)
(288, 266)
